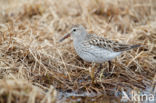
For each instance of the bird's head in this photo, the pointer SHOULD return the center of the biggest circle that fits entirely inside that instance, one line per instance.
(76, 32)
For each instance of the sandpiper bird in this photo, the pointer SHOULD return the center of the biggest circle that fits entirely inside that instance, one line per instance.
(93, 48)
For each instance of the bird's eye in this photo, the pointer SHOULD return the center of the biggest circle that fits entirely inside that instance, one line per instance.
(74, 30)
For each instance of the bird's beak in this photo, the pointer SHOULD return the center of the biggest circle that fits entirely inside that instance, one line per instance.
(64, 37)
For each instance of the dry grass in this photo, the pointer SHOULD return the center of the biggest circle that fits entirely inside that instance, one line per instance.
(21, 91)
(32, 61)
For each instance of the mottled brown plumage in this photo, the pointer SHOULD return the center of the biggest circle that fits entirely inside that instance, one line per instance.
(110, 44)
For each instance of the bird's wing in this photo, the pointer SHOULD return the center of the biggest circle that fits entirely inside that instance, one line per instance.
(108, 44)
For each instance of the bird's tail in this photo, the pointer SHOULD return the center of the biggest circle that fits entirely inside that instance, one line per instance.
(124, 47)
(135, 46)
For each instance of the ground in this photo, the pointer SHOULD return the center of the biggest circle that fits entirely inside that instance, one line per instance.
(35, 67)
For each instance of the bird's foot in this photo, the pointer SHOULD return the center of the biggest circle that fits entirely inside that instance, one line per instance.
(92, 74)
(107, 74)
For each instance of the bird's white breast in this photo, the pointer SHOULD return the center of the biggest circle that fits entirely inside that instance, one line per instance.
(95, 54)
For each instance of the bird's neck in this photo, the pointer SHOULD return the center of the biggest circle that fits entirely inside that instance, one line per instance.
(79, 39)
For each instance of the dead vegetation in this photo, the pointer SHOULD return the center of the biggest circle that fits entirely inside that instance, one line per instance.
(32, 61)
(21, 91)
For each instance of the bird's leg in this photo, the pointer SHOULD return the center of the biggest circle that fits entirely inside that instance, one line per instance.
(109, 66)
(106, 74)
(99, 69)
(91, 72)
